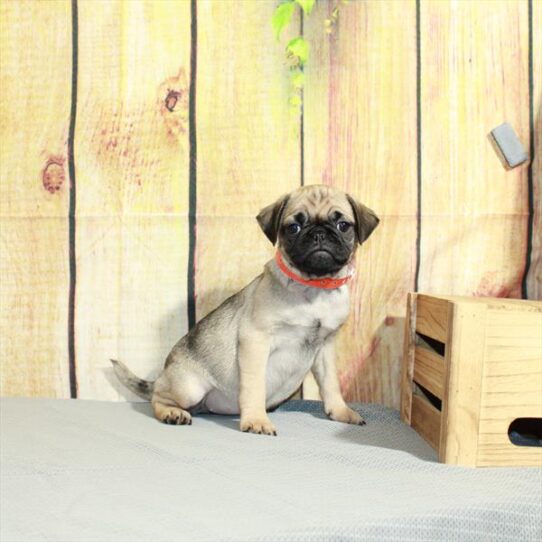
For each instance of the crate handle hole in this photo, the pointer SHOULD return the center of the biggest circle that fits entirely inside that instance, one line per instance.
(526, 432)
(430, 344)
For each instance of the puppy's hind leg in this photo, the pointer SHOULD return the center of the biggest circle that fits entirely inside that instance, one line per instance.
(175, 393)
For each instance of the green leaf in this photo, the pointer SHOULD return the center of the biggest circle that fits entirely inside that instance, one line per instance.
(282, 16)
(298, 79)
(306, 5)
(299, 48)
(295, 100)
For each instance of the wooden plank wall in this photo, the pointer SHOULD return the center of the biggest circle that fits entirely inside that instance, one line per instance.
(534, 277)
(34, 197)
(248, 144)
(131, 147)
(474, 228)
(180, 131)
(360, 135)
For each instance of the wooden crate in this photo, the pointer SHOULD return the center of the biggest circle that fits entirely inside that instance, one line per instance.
(472, 367)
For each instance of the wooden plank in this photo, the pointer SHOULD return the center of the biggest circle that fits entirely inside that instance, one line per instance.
(34, 197)
(430, 371)
(494, 445)
(132, 188)
(510, 390)
(409, 342)
(248, 143)
(496, 302)
(515, 335)
(534, 278)
(512, 385)
(461, 404)
(426, 420)
(360, 135)
(474, 76)
(495, 453)
(432, 317)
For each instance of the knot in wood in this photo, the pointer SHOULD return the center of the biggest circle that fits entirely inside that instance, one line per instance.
(171, 99)
(53, 176)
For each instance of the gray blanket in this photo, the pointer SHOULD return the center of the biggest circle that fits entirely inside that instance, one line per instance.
(92, 471)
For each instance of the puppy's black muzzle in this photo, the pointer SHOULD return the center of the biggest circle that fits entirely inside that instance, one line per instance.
(318, 235)
(320, 251)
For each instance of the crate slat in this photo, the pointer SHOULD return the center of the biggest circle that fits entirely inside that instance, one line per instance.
(426, 420)
(430, 370)
(432, 317)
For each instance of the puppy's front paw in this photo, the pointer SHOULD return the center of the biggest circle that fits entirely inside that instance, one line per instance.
(261, 426)
(346, 415)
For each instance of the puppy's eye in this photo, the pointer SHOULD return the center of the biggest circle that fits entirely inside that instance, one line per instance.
(294, 228)
(343, 226)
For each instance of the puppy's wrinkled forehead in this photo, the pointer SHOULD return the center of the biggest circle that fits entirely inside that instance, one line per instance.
(318, 203)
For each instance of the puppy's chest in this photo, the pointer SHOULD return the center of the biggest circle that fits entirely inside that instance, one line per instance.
(311, 322)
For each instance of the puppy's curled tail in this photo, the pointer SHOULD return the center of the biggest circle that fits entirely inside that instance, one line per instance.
(143, 388)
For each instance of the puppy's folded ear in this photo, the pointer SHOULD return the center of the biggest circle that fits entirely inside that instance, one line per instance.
(269, 218)
(366, 219)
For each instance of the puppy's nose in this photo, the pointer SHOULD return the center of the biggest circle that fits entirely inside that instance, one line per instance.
(318, 235)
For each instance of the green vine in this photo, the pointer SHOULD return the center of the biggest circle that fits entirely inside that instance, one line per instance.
(297, 49)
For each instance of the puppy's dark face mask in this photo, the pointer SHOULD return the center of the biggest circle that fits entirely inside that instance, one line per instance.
(318, 229)
(318, 246)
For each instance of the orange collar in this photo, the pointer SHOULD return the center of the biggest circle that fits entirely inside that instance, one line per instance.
(324, 283)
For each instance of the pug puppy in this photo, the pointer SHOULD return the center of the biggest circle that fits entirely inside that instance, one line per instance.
(252, 353)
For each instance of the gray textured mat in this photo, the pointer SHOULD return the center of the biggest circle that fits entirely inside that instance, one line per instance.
(92, 471)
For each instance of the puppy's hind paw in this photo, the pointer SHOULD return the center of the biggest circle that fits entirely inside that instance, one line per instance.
(175, 416)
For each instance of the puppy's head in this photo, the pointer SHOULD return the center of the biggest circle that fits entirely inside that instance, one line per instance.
(317, 228)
